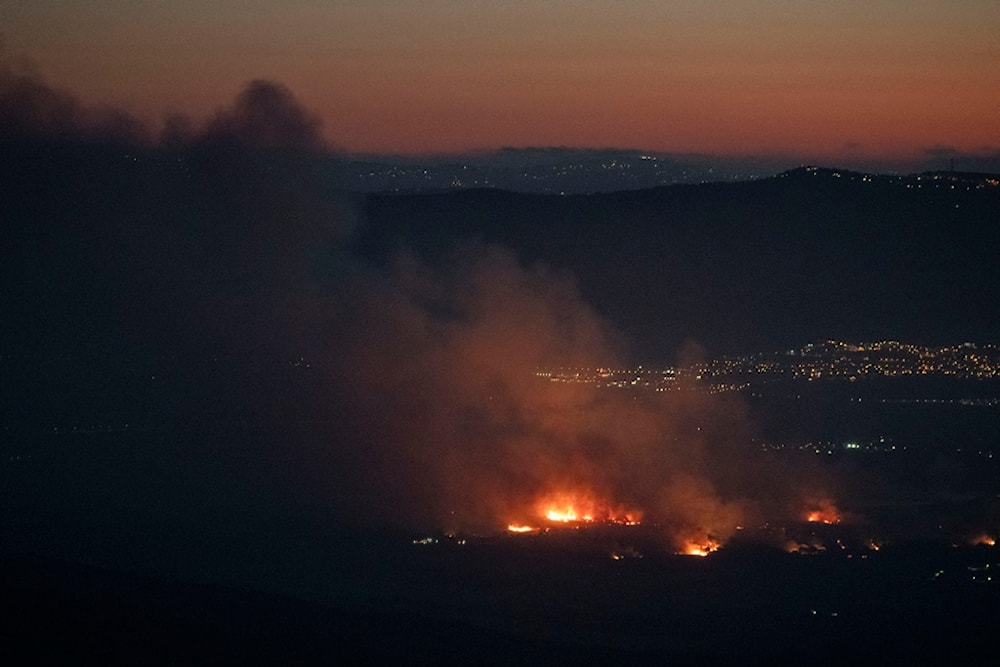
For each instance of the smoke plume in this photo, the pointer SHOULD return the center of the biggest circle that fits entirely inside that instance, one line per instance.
(406, 392)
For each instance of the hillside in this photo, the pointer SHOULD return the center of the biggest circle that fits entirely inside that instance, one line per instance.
(811, 253)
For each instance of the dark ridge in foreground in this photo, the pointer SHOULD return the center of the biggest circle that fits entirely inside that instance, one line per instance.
(73, 614)
(509, 602)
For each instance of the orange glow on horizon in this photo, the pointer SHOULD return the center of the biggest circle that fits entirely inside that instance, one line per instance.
(442, 77)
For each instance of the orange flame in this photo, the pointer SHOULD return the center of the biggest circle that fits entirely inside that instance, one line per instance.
(566, 515)
(697, 542)
(516, 528)
(984, 540)
(823, 511)
(699, 547)
(584, 507)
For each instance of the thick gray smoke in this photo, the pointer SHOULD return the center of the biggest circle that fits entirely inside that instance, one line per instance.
(229, 251)
(445, 421)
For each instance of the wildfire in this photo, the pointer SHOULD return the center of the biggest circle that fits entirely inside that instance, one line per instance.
(584, 508)
(696, 542)
(699, 547)
(573, 509)
(566, 515)
(516, 528)
(984, 540)
(823, 511)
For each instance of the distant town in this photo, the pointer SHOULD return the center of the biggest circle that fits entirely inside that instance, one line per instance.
(829, 360)
(822, 365)
(570, 171)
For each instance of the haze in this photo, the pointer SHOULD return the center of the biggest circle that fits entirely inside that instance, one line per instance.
(842, 83)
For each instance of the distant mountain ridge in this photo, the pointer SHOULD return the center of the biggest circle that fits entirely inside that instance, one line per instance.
(103, 242)
(567, 171)
(810, 253)
(548, 171)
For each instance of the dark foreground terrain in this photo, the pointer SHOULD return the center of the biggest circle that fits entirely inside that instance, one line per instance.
(541, 599)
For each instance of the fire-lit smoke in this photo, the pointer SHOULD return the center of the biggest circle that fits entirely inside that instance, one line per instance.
(822, 510)
(432, 409)
(445, 422)
(697, 545)
(423, 403)
(982, 539)
(703, 519)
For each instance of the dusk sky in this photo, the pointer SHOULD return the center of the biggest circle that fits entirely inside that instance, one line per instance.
(847, 81)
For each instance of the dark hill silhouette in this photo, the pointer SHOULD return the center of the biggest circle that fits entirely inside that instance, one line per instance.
(99, 237)
(811, 253)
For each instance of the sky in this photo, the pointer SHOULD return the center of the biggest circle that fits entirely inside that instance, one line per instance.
(851, 80)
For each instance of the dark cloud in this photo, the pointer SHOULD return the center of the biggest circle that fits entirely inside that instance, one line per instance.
(32, 110)
(266, 115)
